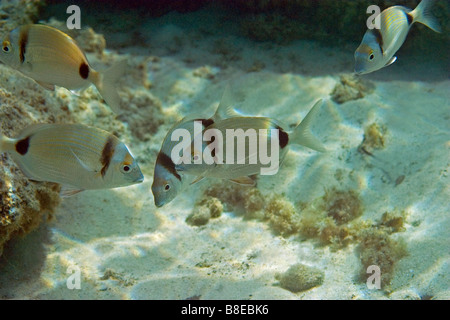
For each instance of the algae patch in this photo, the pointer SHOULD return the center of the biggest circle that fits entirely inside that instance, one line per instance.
(374, 138)
(351, 87)
(204, 210)
(300, 277)
(333, 220)
(329, 219)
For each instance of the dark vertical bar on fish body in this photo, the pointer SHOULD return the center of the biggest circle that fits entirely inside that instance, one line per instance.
(107, 153)
(23, 41)
(379, 38)
(166, 161)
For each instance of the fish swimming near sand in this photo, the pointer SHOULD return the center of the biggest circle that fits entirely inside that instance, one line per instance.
(249, 135)
(378, 47)
(170, 176)
(167, 182)
(52, 58)
(76, 156)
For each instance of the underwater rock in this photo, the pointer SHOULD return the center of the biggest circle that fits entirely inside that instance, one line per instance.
(199, 216)
(231, 195)
(273, 27)
(205, 209)
(351, 87)
(86, 38)
(24, 203)
(15, 13)
(378, 248)
(143, 112)
(300, 277)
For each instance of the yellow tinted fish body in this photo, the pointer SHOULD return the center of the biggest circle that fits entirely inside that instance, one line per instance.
(76, 156)
(378, 46)
(51, 57)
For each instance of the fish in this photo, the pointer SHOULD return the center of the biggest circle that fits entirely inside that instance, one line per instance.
(167, 182)
(170, 177)
(378, 46)
(52, 58)
(245, 165)
(77, 156)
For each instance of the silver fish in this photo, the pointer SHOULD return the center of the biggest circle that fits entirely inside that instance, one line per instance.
(167, 182)
(245, 163)
(51, 57)
(76, 156)
(169, 177)
(379, 46)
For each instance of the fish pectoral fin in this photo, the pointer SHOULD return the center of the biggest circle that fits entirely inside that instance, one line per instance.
(391, 61)
(85, 166)
(246, 181)
(199, 178)
(47, 86)
(179, 167)
(67, 191)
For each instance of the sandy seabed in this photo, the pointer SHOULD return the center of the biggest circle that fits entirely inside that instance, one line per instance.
(126, 248)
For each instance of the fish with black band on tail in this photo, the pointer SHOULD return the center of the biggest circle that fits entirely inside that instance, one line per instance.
(52, 58)
(169, 177)
(76, 156)
(379, 46)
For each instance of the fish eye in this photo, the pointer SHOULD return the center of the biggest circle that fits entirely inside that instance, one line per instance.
(167, 187)
(5, 48)
(371, 56)
(126, 168)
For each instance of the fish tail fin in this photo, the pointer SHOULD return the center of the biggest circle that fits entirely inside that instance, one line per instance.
(106, 84)
(302, 133)
(422, 13)
(5, 143)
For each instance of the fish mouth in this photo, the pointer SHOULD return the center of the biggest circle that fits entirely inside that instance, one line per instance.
(158, 204)
(139, 179)
(359, 72)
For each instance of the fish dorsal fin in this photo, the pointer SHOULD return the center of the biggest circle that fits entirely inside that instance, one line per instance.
(245, 180)
(391, 61)
(67, 191)
(34, 128)
(225, 109)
